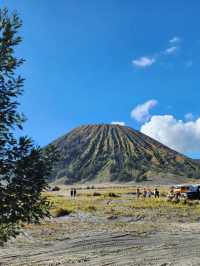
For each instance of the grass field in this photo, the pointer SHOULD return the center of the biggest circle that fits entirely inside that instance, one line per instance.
(121, 201)
(108, 225)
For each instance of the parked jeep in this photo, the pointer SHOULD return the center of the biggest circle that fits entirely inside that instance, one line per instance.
(187, 191)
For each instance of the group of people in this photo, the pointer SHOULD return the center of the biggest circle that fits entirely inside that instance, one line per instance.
(173, 195)
(73, 192)
(147, 193)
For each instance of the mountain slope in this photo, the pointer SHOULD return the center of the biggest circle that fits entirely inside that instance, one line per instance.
(104, 153)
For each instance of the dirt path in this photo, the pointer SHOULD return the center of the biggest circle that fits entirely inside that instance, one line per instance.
(178, 247)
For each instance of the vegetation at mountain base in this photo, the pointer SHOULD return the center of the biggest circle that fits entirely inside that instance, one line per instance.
(109, 153)
(24, 168)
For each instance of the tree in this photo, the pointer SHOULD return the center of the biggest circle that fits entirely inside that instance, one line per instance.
(24, 168)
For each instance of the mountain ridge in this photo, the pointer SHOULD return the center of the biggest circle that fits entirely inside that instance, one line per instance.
(110, 153)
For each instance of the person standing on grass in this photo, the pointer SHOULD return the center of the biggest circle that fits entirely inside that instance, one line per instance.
(71, 192)
(149, 193)
(144, 193)
(156, 193)
(138, 193)
(74, 192)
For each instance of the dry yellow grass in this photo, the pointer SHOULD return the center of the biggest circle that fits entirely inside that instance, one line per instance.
(105, 203)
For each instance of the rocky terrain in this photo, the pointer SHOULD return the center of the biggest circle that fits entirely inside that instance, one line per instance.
(113, 153)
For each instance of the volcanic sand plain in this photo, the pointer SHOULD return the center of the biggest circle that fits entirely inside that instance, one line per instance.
(108, 225)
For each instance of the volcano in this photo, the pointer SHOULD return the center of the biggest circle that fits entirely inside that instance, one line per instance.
(114, 153)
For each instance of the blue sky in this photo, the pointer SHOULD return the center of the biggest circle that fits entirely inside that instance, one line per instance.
(95, 61)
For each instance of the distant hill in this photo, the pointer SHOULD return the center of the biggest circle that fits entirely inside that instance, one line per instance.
(114, 153)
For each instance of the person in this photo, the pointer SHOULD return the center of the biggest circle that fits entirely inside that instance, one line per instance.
(138, 193)
(156, 193)
(171, 194)
(149, 193)
(74, 192)
(71, 192)
(144, 193)
(177, 196)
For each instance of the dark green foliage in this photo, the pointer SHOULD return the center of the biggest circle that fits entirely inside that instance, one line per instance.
(96, 194)
(141, 178)
(60, 212)
(113, 195)
(24, 168)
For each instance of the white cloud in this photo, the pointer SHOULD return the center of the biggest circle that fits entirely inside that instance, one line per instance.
(141, 111)
(144, 61)
(147, 61)
(171, 50)
(189, 116)
(120, 123)
(174, 40)
(177, 134)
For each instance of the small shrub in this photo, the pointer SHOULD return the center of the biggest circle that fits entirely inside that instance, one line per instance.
(60, 212)
(92, 187)
(96, 194)
(113, 195)
(56, 188)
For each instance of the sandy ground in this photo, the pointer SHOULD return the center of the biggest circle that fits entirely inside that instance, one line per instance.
(89, 239)
(178, 244)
